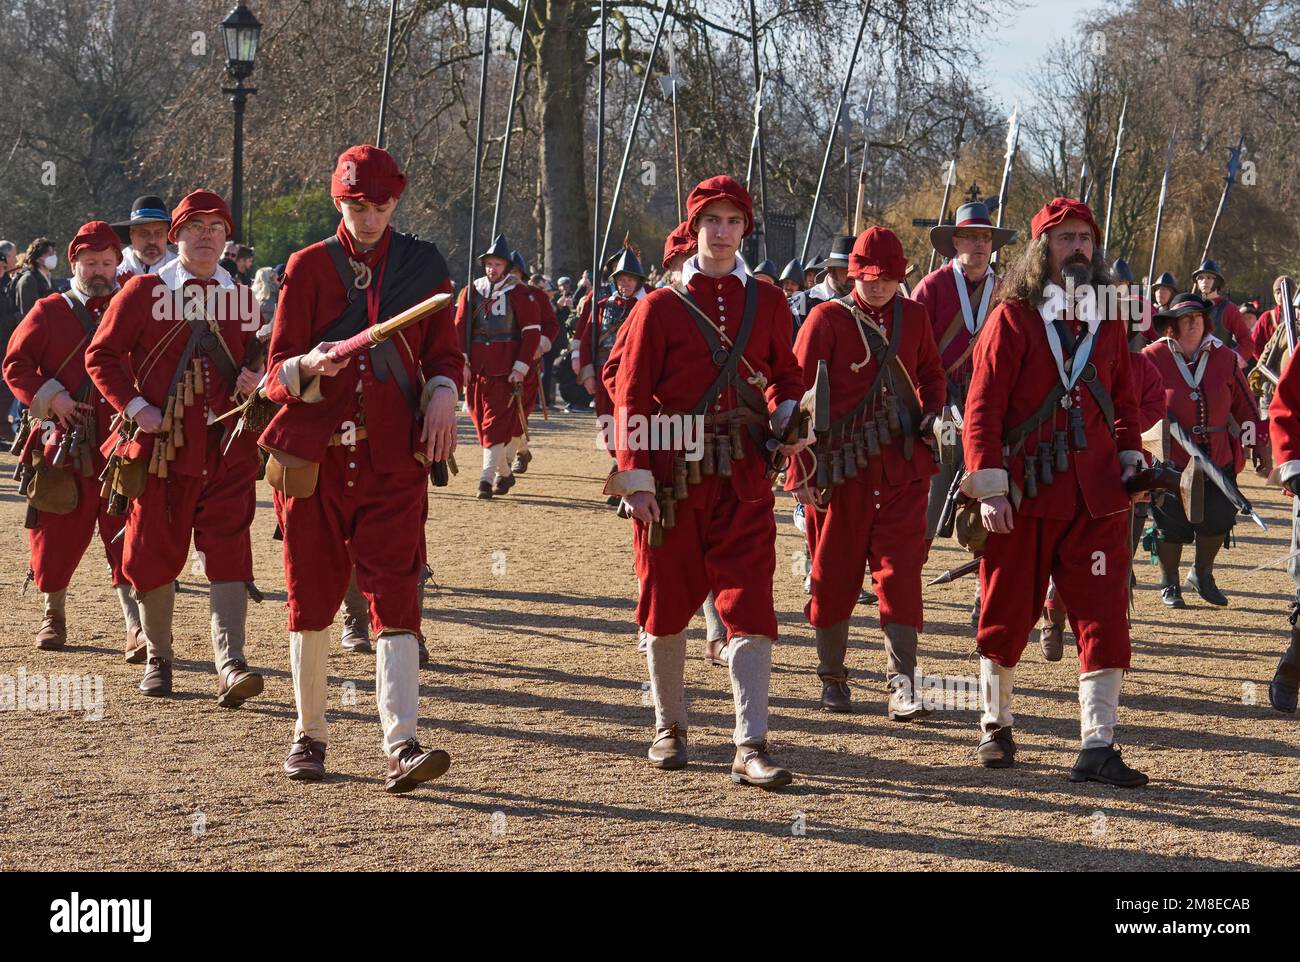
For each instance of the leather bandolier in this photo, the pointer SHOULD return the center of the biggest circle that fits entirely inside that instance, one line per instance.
(888, 410)
(486, 325)
(723, 440)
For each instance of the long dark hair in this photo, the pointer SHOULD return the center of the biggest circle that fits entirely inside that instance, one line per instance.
(1030, 272)
(35, 250)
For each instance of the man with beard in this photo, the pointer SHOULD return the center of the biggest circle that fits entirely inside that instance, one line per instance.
(168, 357)
(958, 296)
(718, 345)
(833, 281)
(1052, 381)
(364, 431)
(499, 324)
(792, 277)
(1226, 322)
(45, 367)
(146, 233)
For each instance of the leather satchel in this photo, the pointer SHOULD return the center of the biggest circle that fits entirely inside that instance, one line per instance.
(292, 476)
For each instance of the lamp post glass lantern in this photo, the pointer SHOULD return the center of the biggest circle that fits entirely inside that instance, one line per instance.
(240, 31)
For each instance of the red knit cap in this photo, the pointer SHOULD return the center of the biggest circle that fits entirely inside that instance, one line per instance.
(877, 254)
(196, 203)
(681, 242)
(367, 173)
(1061, 209)
(98, 235)
(721, 187)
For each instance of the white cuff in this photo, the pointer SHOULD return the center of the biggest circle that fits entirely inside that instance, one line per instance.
(40, 406)
(628, 482)
(291, 379)
(523, 367)
(1134, 458)
(985, 483)
(433, 384)
(1283, 473)
(137, 405)
(546, 343)
(589, 371)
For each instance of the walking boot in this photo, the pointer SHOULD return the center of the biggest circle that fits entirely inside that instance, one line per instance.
(832, 646)
(1051, 637)
(1201, 578)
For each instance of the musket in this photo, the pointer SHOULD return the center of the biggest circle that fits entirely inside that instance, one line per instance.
(753, 137)
(478, 166)
(758, 126)
(858, 226)
(677, 142)
(510, 117)
(830, 137)
(1220, 480)
(961, 571)
(1234, 165)
(1160, 208)
(1114, 175)
(383, 84)
(516, 391)
(813, 408)
(948, 514)
(1013, 145)
(631, 134)
(948, 184)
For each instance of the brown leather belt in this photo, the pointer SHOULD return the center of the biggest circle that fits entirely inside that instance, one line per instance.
(360, 434)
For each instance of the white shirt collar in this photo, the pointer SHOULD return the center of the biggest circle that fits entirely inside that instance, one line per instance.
(131, 262)
(692, 267)
(174, 275)
(1085, 308)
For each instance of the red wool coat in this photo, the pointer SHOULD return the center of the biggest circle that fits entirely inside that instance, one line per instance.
(831, 334)
(1284, 419)
(45, 339)
(664, 364)
(938, 293)
(131, 330)
(1223, 392)
(311, 300)
(1014, 370)
(586, 360)
(497, 359)
(1149, 388)
(1235, 324)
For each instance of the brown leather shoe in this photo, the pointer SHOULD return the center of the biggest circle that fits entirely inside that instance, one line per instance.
(157, 680)
(306, 760)
(521, 462)
(1051, 637)
(236, 684)
(357, 644)
(753, 766)
(136, 648)
(424, 653)
(997, 749)
(668, 750)
(409, 765)
(53, 634)
(836, 696)
(715, 651)
(904, 705)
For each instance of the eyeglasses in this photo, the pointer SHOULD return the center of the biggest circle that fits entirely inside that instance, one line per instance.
(199, 229)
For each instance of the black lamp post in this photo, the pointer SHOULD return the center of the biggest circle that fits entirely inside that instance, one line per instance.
(240, 31)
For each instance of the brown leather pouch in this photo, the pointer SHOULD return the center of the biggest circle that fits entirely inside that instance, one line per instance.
(130, 478)
(53, 490)
(292, 476)
(969, 529)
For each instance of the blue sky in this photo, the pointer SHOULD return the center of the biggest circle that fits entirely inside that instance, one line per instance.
(1011, 51)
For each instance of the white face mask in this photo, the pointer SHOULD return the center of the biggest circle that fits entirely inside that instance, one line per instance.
(49, 260)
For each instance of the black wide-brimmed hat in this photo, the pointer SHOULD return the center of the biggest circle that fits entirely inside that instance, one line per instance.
(1180, 306)
(974, 214)
(794, 271)
(841, 248)
(500, 248)
(147, 209)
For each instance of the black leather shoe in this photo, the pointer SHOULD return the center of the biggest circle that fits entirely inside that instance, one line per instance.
(485, 490)
(836, 696)
(504, 484)
(1172, 596)
(997, 749)
(1203, 585)
(1284, 689)
(1104, 764)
